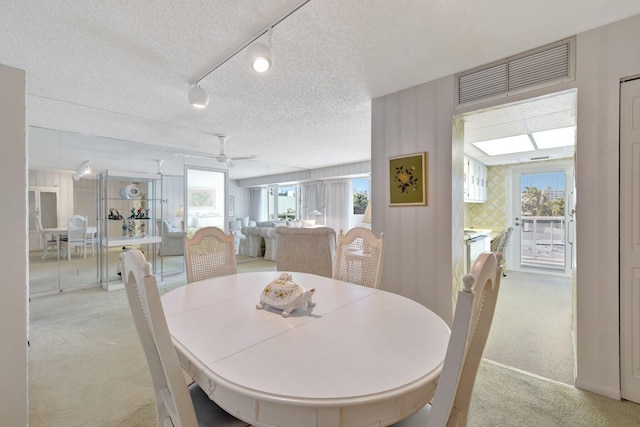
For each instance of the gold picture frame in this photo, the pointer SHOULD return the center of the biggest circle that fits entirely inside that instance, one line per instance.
(408, 180)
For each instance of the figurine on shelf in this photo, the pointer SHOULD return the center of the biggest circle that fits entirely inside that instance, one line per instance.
(112, 215)
(118, 215)
(141, 229)
(133, 214)
(131, 228)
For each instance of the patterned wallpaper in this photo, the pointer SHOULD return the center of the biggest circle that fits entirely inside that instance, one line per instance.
(493, 213)
(458, 247)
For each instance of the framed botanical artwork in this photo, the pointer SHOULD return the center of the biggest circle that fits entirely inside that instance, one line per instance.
(408, 180)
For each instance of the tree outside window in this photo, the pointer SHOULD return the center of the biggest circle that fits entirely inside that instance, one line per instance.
(360, 195)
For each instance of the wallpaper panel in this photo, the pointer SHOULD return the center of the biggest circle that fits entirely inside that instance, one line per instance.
(491, 214)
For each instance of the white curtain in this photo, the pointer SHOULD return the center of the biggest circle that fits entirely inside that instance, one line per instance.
(338, 197)
(258, 204)
(312, 198)
(334, 199)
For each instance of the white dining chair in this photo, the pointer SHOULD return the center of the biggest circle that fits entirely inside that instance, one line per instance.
(46, 241)
(499, 244)
(306, 250)
(472, 321)
(210, 252)
(90, 241)
(176, 403)
(359, 257)
(76, 235)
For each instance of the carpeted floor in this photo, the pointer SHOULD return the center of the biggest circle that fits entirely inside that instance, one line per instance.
(87, 368)
(531, 328)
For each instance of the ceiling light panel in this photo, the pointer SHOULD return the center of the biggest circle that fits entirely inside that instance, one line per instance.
(554, 138)
(512, 144)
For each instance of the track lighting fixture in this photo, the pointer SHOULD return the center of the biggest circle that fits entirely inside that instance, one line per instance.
(259, 55)
(82, 171)
(198, 97)
(86, 168)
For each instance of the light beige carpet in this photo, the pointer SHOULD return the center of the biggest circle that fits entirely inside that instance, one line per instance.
(531, 327)
(87, 368)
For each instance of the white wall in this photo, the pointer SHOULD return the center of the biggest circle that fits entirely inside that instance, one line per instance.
(605, 55)
(14, 312)
(418, 256)
(242, 199)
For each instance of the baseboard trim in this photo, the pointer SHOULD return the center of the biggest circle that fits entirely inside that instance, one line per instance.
(598, 389)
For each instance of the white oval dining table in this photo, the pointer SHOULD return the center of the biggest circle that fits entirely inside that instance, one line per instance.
(360, 357)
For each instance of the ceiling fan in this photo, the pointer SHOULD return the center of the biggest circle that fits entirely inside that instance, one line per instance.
(222, 157)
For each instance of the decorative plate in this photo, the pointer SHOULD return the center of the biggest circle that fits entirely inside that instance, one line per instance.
(133, 191)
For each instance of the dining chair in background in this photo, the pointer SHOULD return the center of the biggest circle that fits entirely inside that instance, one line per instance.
(46, 241)
(90, 241)
(210, 252)
(176, 403)
(499, 244)
(306, 250)
(359, 257)
(471, 323)
(76, 235)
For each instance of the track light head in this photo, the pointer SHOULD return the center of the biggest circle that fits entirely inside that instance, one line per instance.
(259, 55)
(198, 97)
(86, 168)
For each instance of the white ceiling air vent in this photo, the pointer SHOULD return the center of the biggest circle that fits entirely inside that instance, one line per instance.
(541, 67)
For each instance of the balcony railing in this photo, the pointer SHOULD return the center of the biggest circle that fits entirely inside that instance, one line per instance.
(542, 242)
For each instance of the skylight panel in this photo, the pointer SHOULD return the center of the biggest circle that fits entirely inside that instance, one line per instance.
(555, 138)
(509, 145)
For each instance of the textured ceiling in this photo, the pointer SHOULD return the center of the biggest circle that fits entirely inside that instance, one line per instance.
(122, 69)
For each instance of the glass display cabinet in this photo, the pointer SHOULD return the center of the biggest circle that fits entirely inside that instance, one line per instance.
(128, 206)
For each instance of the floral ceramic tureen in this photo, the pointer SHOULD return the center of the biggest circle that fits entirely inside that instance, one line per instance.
(285, 294)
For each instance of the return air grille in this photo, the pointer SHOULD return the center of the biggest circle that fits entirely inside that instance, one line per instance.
(545, 66)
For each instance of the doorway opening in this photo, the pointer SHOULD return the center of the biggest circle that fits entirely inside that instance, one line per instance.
(527, 148)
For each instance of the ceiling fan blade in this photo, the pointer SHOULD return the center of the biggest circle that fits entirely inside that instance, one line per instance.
(252, 156)
(194, 156)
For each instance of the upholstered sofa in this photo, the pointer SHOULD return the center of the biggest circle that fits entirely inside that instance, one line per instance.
(172, 238)
(261, 240)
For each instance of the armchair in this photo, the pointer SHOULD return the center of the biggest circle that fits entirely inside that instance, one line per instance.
(172, 238)
(253, 243)
(270, 242)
